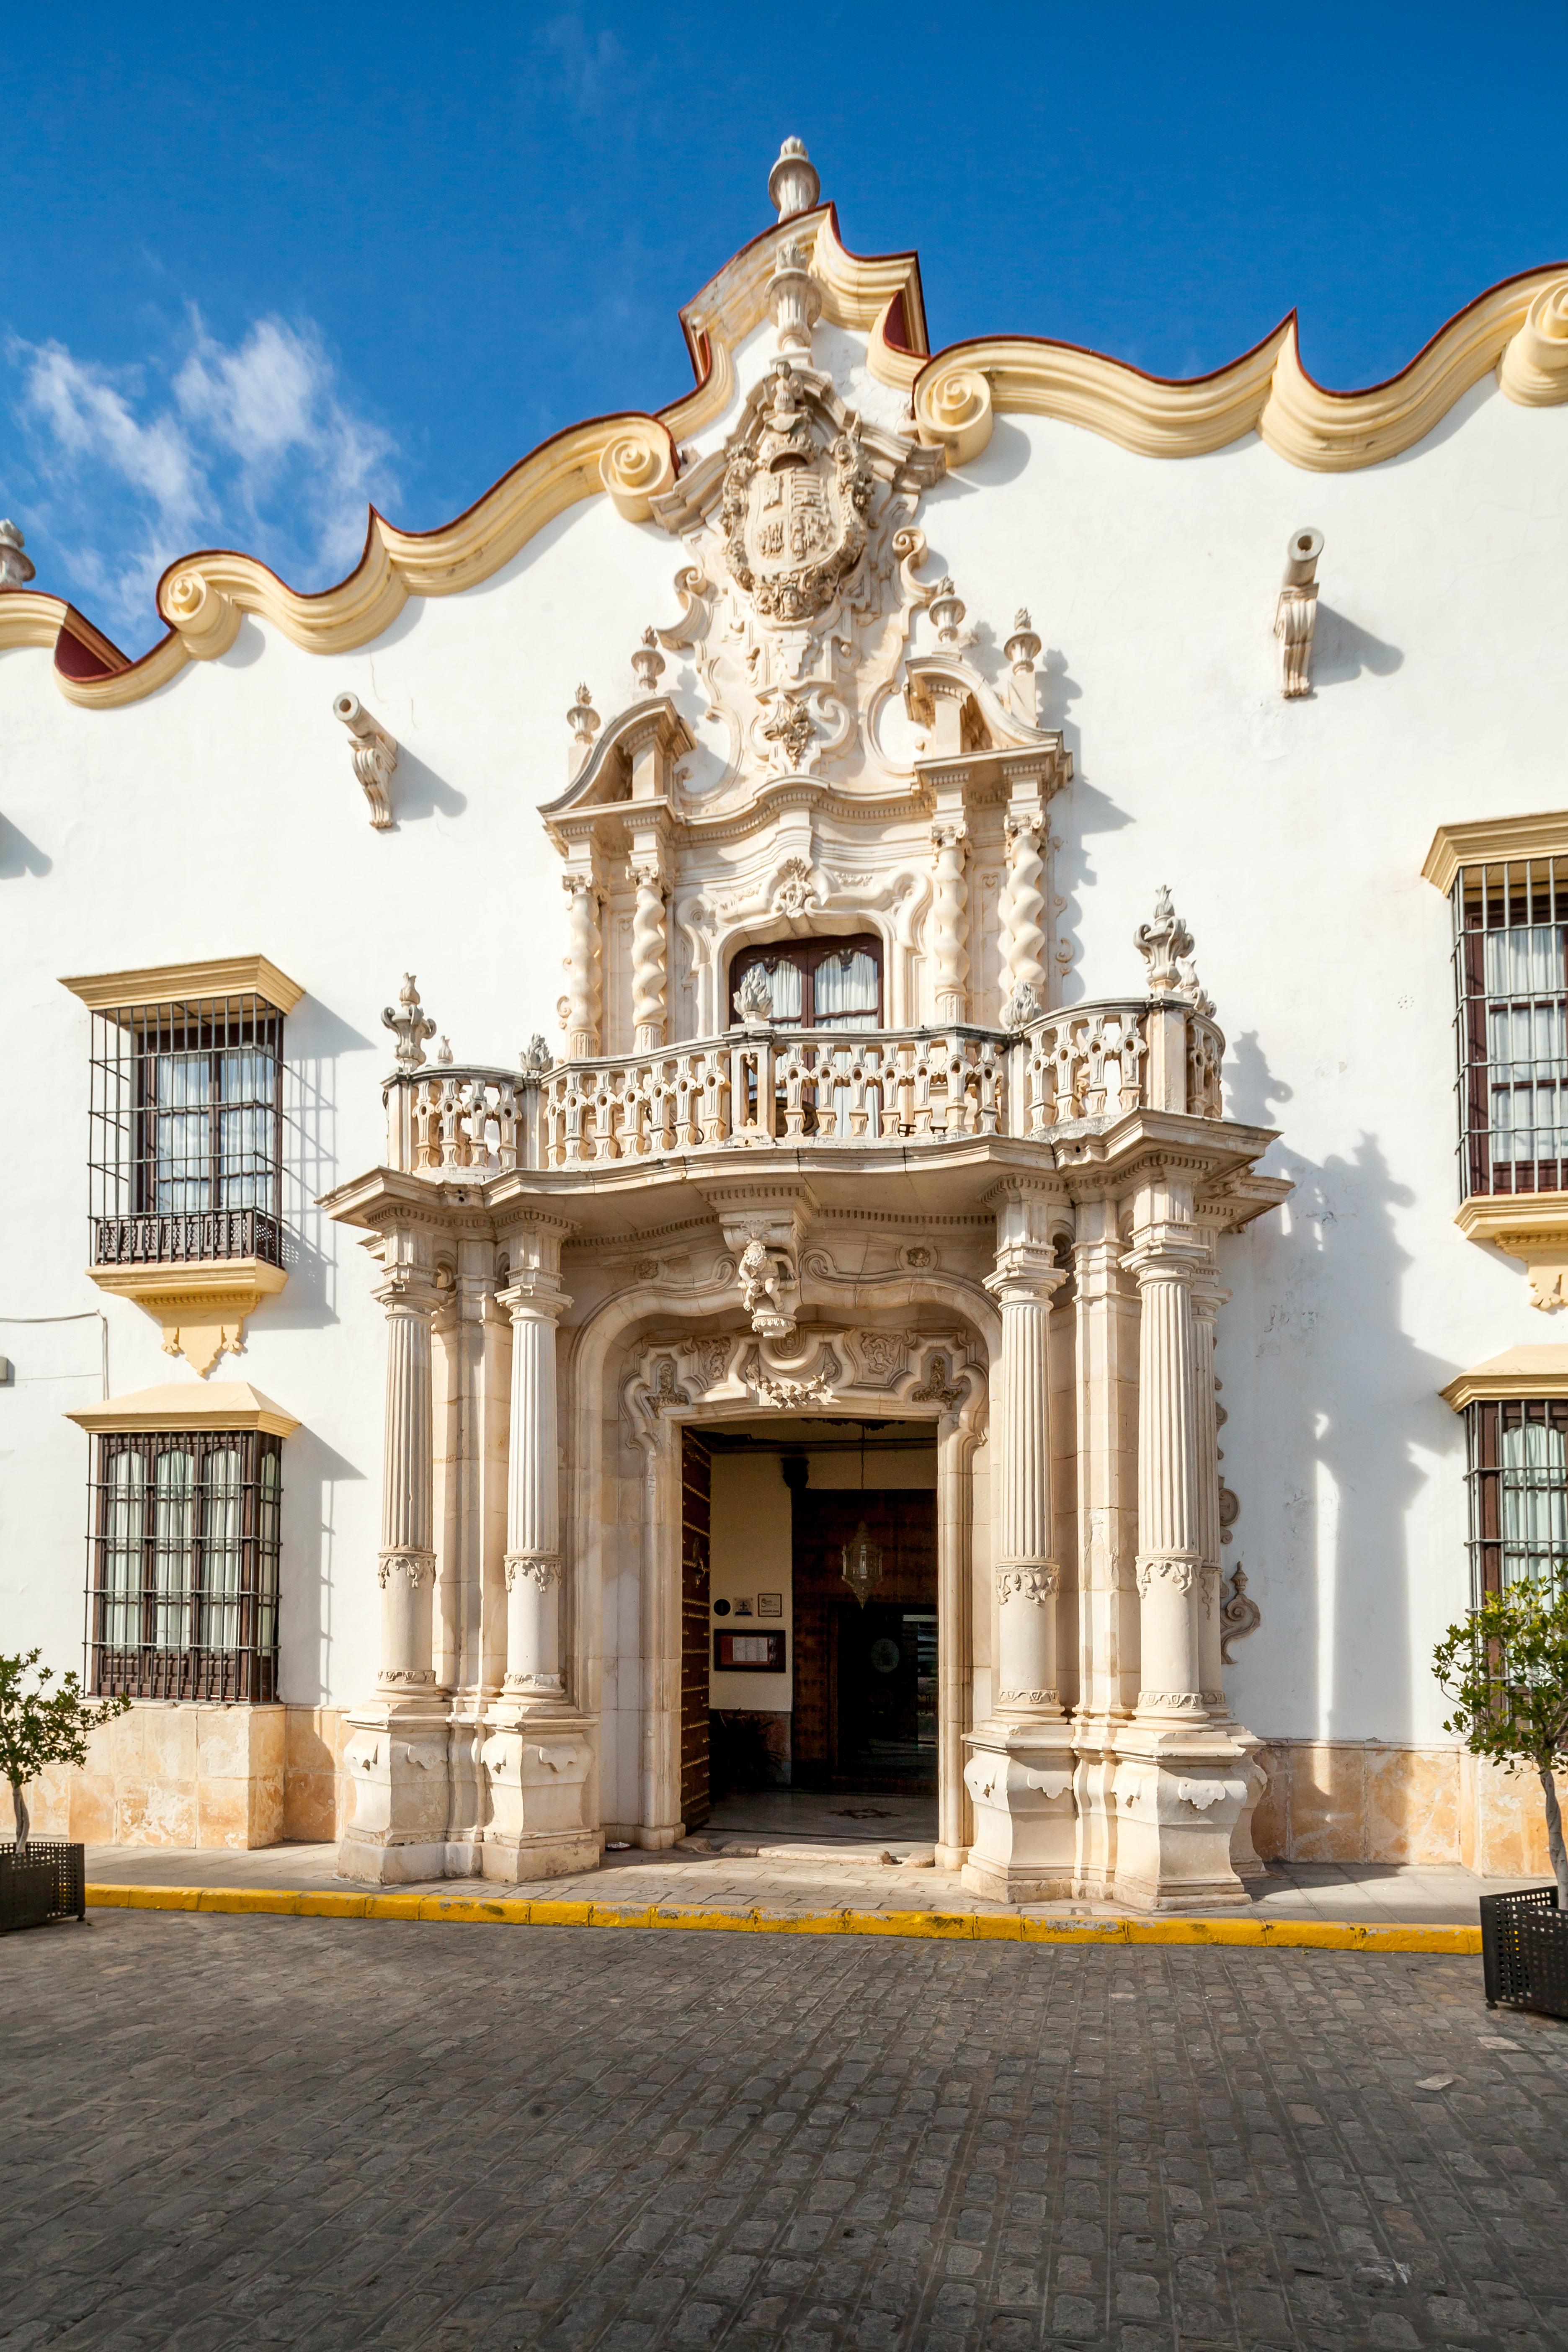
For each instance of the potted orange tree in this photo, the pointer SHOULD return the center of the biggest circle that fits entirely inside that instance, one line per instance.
(1506, 1671)
(42, 1878)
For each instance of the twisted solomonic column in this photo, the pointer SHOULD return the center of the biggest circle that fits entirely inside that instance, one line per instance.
(950, 922)
(533, 1678)
(407, 1568)
(1024, 941)
(585, 973)
(1167, 1257)
(649, 960)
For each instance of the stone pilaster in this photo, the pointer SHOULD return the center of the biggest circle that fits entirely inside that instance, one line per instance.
(396, 1758)
(1207, 1301)
(1179, 1786)
(537, 1755)
(1019, 1773)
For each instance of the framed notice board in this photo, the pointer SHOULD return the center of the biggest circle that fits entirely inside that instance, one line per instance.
(749, 1653)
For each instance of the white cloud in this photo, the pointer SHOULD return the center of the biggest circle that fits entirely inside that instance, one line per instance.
(589, 64)
(252, 445)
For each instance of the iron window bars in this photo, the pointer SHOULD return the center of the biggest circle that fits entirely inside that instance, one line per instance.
(186, 1131)
(820, 983)
(1518, 1480)
(182, 1576)
(1510, 973)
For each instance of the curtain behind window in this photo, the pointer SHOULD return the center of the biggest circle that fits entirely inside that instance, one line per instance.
(1527, 1040)
(1535, 1502)
(847, 991)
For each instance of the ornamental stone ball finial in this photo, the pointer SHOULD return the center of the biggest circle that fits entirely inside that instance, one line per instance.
(408, 1024)
(647, 663)
(793, 184)
(1162, 944)
(16, 565)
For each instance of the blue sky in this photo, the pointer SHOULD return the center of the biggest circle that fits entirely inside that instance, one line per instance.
(263, 265)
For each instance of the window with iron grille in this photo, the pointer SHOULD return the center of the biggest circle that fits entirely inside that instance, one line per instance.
(1511, 968)
(183, 1587)
(187, 1130)
(825, 983)
(1519, 1493)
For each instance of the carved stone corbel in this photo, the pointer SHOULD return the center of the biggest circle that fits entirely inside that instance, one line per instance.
(1295, 613)
(375, 756)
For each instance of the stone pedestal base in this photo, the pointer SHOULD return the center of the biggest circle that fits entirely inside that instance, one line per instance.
(1244, 1859)
(1178, 1794)
(537, 1762)
(1094, 1739)
(1019, 1777)
(398, 1769)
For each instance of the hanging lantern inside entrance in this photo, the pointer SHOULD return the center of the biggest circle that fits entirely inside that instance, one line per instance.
(862, 1564)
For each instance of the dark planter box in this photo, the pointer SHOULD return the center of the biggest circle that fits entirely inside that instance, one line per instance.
(1524, 1951)
(48, 1882)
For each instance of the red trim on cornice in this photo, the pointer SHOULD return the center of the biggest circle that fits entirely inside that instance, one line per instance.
(83, 651)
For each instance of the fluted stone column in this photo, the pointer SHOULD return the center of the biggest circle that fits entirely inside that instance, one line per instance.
(1027, 1578)
(533, 1534)
(1169, 1508)
(396, 1758)
(537, 1755)
(1179, 1786)
(1106, 1316)
(407, 1563)
(1207, 1301)
(1019, 1774)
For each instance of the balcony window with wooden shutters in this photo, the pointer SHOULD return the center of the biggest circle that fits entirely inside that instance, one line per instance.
(185, 1126)
(1506, 880)
(187, 1130)
(1510, 953)
(183, 1593)
(1519, 1492)
(823, 983)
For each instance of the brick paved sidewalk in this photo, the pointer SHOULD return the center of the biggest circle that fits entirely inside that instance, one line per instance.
(794, 1881)
(221, 2133)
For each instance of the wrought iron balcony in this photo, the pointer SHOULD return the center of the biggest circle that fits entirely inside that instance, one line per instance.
(190, 1238)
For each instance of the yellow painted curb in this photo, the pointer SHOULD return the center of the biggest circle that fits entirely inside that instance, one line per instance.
(960, 1926)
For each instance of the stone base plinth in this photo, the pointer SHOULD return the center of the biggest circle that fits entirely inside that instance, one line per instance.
(399, 1770)
(1094, 1741)
(1179, 1792)
(537, 1761)
(1019, 1777)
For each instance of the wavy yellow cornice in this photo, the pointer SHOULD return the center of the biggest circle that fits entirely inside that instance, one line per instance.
(1519, 329)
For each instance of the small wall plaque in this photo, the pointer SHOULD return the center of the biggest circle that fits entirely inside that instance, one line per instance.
(749, 1653)
(770, 1605)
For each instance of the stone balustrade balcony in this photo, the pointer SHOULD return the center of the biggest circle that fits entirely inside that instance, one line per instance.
(1081, 1066)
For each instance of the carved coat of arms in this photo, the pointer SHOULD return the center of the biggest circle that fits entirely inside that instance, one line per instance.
(794, 512)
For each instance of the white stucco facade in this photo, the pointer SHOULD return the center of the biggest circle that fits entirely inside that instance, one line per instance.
(218, 815)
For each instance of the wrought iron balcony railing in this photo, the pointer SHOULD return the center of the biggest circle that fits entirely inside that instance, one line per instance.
(188, 1238)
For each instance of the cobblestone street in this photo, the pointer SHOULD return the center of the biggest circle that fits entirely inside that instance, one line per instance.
(220, 2133)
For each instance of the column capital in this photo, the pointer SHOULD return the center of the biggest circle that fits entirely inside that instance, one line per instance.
(1025, 1271)
(533, 1296)
(408, 1288)
(1167, 1252)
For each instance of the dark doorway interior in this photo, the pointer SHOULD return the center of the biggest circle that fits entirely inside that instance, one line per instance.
(865, 1678)
(696, 1519)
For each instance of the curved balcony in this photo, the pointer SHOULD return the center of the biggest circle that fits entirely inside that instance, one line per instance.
(1087, 1063)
